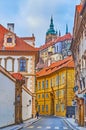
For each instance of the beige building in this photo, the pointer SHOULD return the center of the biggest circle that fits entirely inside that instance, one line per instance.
(79, 54)
(18, 56)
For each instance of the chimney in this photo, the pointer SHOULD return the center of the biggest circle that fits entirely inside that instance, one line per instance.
(10, 27)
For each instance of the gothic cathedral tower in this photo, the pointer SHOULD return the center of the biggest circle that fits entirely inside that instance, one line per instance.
(51, 33)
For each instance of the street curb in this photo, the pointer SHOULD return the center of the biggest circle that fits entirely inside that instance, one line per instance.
(24, 126)
(69, 124)
(30, 123)
(17, 128)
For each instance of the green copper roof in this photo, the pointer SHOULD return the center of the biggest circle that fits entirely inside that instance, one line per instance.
(66, 29)
(51, 29)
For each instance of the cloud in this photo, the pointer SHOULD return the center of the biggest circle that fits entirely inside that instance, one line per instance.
(33, 16)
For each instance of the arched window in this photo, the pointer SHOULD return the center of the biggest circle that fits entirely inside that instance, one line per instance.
(22, 64)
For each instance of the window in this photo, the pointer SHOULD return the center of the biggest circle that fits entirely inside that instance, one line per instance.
(42, 95)
(57, 108)
(9, 40)
(54, 49)
(63, 79)
(38, 108)
(62, 107)
(38, 95)
(63, 92)
(9, 64)
(51, 82)
(39, 85)
(46, 95)
(46, 83)
(46, 108)
(42, 84)
(42, 108)
(22, 65)
(57, 48)
(57, 80)
(57, 93)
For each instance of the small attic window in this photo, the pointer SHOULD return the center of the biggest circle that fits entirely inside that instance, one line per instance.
(9, 40)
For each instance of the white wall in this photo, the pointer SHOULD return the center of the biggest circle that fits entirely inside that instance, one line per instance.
(26, 110)
(7, 99)
(30, 66)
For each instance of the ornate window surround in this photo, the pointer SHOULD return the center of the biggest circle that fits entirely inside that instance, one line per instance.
(9, 43)
(26, 69)
(12, 63)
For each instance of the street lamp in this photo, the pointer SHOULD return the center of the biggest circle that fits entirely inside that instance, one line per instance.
(29, 103)
(74, 102)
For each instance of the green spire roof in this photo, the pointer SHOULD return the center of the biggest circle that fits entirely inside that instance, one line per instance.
(51, 29)
(66, 29)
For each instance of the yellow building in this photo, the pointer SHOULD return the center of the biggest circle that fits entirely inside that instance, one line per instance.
(54, 89)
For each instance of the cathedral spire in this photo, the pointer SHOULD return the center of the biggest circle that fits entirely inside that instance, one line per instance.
(51, 28)
(51, 23)
(66, 29)
(51, 32)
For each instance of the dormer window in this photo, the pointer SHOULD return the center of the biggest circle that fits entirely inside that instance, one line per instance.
(9, 40)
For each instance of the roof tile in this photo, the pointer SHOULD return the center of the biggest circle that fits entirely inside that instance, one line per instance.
(21, 45)
(79, 8)
(18, 76)
(67, 62)
(58, 39)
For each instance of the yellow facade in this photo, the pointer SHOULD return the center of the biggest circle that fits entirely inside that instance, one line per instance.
(54, 92)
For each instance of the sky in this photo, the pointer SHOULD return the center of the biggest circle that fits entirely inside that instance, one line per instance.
(33, 16)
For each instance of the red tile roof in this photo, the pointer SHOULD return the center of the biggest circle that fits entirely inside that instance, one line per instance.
(79, 8)
(58, 39)
(67, 62)
(18, 76)
(21, 45)
(28, 38)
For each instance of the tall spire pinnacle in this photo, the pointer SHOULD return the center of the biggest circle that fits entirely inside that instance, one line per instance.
(51, 28)
(51, 32)
(66, 29)
(51, 23)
